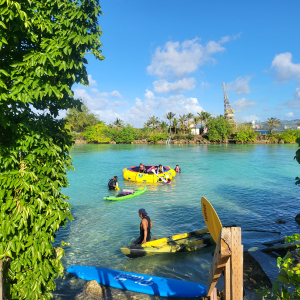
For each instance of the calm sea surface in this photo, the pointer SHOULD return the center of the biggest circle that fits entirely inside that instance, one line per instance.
(250, 186)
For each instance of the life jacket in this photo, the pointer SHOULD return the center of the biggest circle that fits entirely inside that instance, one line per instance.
(110, 182)
(148, 229)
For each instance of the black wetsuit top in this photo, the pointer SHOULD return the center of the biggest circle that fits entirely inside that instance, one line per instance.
(148, 229)
(111, 183)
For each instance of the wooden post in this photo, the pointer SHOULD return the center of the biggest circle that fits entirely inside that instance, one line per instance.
(228, 257)
(214, 294)
(227, 280)
(236, 264)
(221, 255)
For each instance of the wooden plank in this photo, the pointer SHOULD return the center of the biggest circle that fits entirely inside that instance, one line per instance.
(214, 294)
(236, 264)
(227, 280)
(221, 255)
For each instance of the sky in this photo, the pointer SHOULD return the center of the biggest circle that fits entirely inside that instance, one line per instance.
(165, 55)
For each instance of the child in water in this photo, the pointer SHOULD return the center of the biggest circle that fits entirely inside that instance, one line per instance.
(177, 169)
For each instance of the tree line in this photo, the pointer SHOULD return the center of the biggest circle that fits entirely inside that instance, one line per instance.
(87, 125)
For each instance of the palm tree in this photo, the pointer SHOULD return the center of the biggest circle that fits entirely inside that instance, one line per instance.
(201, 116)
(206, 116)
(195, 122)
(272, 122)
(182, 120)
(189, 116)
(118, 123)
(175, 124)
(170, 115)
(153, 121)
(163, 126)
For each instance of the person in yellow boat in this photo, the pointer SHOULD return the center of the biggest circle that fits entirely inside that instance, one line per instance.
(142, 168)
(145, 226)
(160, 169)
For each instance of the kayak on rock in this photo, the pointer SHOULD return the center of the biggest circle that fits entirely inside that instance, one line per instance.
(147, 284)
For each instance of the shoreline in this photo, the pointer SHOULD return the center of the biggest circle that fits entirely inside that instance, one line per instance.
(188, 142)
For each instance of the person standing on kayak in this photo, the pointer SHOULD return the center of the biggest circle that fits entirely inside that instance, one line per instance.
(145, 226)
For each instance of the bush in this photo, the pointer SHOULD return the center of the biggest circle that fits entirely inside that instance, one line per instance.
(123, 136)
(287, 287)
(179, 137)
(190, 136)
(156, 136)
(245, 133)
(140, 134)
(288, 136)
(97, 133)
(218, 128)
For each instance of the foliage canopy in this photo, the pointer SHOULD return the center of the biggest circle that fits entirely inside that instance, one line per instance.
(218, 128)
(79, 120)
(43, 45)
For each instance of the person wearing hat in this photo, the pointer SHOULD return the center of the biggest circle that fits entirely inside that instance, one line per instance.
(145, 226)
(113, 183)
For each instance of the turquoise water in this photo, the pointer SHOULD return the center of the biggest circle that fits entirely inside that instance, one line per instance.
(250, 186)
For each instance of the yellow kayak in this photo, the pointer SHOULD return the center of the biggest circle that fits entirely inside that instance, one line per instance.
(190, 241)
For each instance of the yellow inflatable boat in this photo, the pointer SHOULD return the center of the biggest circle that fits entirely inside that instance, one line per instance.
(133, 174)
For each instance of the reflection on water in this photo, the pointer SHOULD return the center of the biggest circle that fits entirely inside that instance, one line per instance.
(250, 186)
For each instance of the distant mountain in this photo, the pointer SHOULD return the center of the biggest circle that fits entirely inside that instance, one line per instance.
(284, 124)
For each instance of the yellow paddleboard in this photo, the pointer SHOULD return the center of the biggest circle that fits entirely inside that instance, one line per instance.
(211, 219)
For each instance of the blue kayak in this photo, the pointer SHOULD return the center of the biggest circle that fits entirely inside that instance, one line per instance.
(147, 284)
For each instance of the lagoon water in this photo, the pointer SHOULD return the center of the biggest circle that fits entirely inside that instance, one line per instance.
(250, 186)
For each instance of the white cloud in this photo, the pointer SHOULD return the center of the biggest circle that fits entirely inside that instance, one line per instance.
(290, 114)
(138, 113)
(178, 60)
(115, 94)
(250, 118)
(297, 94)
(240, 85)
(204, 85)
(243, 104)
(92, 103)
(266, 109)
(98, 101)
(149, 94)
(91, 80)
(179, 86)
(180, 105)
(229, 38)
(294, 103)
(118, 103)
(284, 67)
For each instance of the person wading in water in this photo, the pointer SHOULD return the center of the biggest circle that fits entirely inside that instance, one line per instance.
(145, 226)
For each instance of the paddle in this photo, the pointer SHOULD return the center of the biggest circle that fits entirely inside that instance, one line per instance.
(164, 180)
(211, 219)
(117, 188)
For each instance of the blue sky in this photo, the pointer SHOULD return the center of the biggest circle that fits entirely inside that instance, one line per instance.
(174, 55)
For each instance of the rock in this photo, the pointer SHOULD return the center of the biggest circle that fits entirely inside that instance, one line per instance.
(78, 142)
(254, 275)
(279, 221)
(93, 288)
(297, 219)
(281, 142)
(112, 142)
